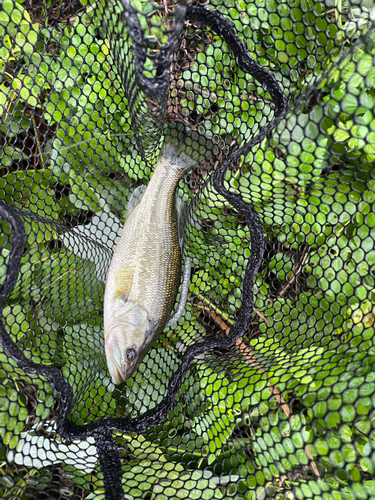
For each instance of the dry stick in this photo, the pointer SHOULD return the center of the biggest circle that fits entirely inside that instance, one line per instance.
(253, 361)
(156, 38)
(38, 145)
(293, 278)
(35, 155)
(13, 95)
(259, 290)
(61, 276)
(261, 315)
(251, 358)
(217, 309)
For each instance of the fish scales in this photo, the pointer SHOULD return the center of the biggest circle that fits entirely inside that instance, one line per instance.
(145, 271)
(152, 244)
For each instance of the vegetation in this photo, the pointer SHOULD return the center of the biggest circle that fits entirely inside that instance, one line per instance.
(289, 412)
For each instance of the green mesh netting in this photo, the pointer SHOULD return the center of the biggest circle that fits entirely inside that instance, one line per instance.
(264, 388)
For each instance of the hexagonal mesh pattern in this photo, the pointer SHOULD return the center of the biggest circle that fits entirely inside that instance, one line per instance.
(264, 387)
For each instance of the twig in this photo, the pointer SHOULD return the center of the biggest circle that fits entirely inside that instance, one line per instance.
(251, 358)
(253, 362)
(259, 290)
(37, 141)
(293, 278)
(225, 315)
(261, 315)
(368, 437)
(13, 95)
(59, 278)
(218, 159)
(156, 38)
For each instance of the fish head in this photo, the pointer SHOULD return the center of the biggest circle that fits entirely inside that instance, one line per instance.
(126, 331)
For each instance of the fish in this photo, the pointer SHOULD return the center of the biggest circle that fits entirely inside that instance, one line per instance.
(144, 274)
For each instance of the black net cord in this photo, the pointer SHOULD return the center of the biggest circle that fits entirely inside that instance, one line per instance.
(68, 429)
(15, 255)
(304, 419)
(155, 87)
(53, 375)
(226, 30)
(110, 465)
(102, 428)
(105, 445)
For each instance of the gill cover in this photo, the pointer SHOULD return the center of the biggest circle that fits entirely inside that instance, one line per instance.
(126, 335)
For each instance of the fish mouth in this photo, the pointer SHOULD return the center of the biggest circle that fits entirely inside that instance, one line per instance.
(116, 365)
(121, 365)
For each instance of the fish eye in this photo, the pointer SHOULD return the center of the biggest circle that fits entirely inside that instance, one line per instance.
(130, 354)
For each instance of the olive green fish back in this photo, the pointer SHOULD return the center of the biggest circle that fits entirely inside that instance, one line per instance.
(264, 388)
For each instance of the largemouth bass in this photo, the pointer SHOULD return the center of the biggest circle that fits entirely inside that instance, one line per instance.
(145, 272)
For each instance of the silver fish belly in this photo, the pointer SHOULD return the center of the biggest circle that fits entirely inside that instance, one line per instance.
(144, 275)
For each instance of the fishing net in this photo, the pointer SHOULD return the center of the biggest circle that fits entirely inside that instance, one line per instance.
(264, 387)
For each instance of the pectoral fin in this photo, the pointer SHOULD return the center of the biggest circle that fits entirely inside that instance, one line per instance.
(183, 293)
(123, 282)
(180, 209)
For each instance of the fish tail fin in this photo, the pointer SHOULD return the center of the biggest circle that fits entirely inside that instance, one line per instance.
(185, 147)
